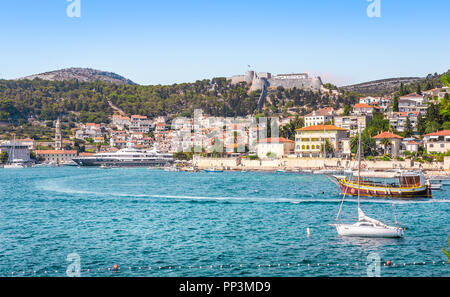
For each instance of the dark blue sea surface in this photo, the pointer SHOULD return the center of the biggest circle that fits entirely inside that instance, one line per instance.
(156, 223)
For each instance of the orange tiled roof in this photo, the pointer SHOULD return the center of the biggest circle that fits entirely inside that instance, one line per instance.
(439, 133)
(321, 128)
(405, 113)
(363, 105)
(54, 152)
(136, 116)
(276, 140)
(388, 135)
(86, 154)
(321, 112)
(413, 95)
(412, 142)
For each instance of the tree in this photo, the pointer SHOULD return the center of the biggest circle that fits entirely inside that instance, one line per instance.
(444, 106)
(395, 104)
(368, 144)
(4, 157)
(403, 90)
(421, 124)
(419, 89)
(329, 149)
(432, 127)
(377, 124)
(289, 130)
(347, 109)
(408, 128)
(445, 78)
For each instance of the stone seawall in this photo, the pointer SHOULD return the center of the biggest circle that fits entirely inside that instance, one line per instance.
(313, 164)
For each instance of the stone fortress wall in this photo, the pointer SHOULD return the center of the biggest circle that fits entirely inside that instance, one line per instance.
(261, 80)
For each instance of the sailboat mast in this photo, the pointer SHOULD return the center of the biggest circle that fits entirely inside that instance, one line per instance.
(324, 142)
(13, 148)
(359, 163)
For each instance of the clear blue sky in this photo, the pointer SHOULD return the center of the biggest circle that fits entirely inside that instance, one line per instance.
(172, 41)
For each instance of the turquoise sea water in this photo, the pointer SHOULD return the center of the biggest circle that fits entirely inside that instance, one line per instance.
(155, 223)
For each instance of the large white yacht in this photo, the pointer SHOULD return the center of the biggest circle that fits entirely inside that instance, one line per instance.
(127, 157)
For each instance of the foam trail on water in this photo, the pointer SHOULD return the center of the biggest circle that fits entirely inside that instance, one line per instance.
(65, 190)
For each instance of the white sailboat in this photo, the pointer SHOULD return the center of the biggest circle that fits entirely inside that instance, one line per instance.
(365, 226)
(15, 163)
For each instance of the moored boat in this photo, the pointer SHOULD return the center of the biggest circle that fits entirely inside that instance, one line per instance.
(212, 170)
(16, 164)
(127, 157)
(365, 226)
(406, 185)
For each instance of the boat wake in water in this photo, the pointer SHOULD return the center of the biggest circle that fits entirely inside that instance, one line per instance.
(57, 187)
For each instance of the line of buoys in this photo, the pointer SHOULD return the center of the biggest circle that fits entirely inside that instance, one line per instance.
(116, 267)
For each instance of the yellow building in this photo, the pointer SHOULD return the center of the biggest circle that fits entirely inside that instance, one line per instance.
(309, 141)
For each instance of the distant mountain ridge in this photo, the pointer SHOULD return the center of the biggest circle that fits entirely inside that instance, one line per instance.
(381, 87)
(82, 75)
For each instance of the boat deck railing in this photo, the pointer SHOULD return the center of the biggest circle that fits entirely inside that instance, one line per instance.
(379, 184)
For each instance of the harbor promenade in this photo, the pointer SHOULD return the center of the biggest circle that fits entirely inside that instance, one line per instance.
(238, 163)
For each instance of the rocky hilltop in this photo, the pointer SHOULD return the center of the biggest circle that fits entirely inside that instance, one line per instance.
(82, 75)
(381, 87)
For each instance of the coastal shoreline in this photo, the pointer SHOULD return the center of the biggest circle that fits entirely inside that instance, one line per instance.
(317, 164)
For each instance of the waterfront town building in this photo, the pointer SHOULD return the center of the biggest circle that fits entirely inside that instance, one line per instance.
(352, 122)
(89, 130)
(388, 143)
(160, 127)
(365, 109)
(410, 145)
(381, 102)
(438, 142)
(309, 141)
(369, 100)
(437, 93)
(274, 148)
(57, 156)
(320, 117)
(120, 121)
(139, 123)
(413, 103)
(398, 120)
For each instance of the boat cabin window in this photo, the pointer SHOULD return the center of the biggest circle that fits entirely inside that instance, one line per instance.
(410, 181)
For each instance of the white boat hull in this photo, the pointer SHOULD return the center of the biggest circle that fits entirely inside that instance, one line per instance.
(369, 231)
(15, 166)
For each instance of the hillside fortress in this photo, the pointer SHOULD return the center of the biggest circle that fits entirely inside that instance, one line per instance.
(265, 80)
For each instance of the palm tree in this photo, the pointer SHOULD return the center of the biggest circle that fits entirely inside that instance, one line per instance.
(329, 149)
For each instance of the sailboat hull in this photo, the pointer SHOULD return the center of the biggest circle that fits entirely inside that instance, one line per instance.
(369, 231)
